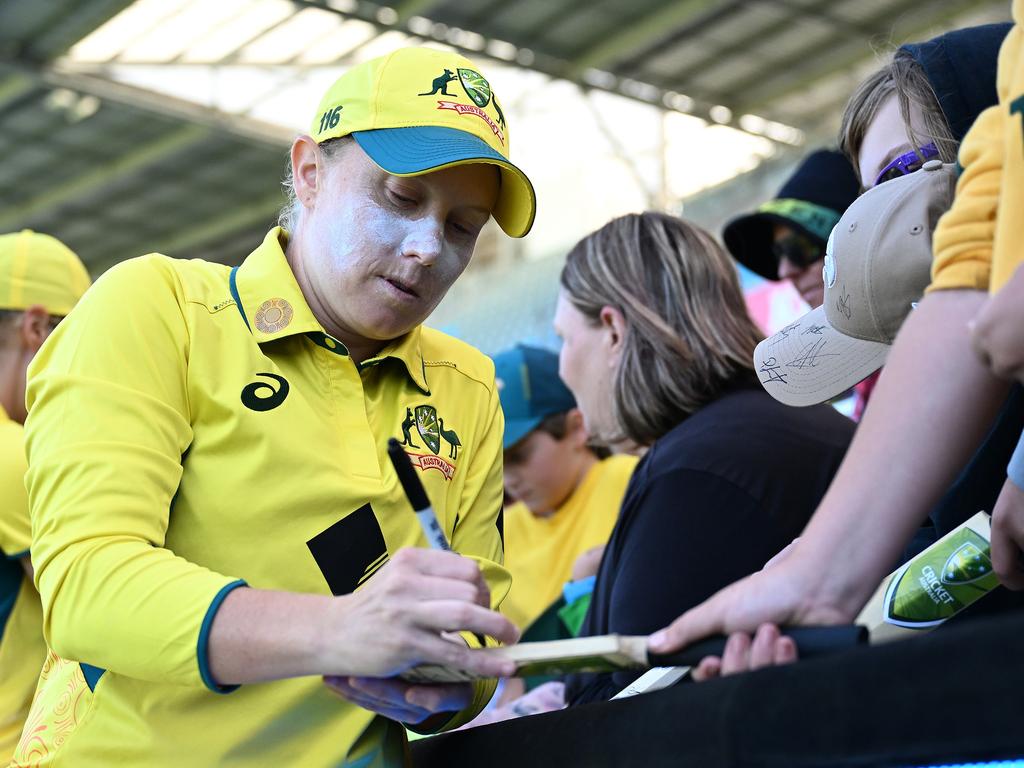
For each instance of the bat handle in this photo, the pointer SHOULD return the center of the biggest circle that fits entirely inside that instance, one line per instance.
(810, 642)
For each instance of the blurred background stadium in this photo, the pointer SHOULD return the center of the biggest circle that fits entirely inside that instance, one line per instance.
(162, 125)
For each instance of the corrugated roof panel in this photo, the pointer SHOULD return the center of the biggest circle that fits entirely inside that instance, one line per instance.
(747, 22)
(679, 58)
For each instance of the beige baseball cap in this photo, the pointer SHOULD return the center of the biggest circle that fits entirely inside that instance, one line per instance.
(877, 264)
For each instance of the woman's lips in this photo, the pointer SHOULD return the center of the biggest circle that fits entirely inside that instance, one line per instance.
(402, 288)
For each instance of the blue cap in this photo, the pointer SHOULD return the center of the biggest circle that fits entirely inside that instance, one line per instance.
(529, 390)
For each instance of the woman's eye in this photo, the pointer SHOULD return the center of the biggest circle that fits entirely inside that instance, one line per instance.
(401, 198)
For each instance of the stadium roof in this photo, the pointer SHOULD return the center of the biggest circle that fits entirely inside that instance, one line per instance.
(127, 127)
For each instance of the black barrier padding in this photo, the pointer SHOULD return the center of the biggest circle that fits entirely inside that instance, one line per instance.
(953, 695)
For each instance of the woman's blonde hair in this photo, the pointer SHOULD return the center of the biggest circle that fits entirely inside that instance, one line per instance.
(688, 334)
(906, 78)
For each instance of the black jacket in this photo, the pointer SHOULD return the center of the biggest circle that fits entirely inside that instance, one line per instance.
(712, 501)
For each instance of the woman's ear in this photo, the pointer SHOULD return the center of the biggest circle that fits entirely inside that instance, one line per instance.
(613, 322)
(307, 170)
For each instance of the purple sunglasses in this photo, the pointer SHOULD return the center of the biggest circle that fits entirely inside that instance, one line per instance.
(907, 163)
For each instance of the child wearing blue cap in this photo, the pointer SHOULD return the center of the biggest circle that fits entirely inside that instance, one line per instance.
(567, 492)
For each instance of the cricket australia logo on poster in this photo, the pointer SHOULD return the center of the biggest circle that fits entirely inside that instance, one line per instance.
(431, 432)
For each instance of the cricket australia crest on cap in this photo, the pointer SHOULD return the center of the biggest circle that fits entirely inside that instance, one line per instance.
(477, 90)
(431, 431)
(475, 86)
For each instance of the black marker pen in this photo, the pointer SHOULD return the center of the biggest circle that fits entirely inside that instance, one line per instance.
(417, 495)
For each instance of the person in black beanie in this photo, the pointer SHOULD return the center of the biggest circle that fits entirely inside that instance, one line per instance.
(940, 87)
(961, 69)
(784, 239)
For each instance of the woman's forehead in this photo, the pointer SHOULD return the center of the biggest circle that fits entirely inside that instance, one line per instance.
(885, 139)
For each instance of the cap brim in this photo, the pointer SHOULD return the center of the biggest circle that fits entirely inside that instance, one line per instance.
(749, 239)
(809, 361)
(516, 430)
(422, 149)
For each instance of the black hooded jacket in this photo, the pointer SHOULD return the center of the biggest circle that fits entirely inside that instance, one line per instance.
(961, 67)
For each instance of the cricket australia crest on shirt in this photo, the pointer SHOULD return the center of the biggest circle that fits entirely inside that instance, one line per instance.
(431, 431)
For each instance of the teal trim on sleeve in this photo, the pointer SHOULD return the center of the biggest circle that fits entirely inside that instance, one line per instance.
(204, 638)
(11, 576)
(233, 285)
(18, 555)
(92, 674)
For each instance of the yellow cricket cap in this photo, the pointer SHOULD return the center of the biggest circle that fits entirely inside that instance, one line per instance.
(419, 110)
(39, 269)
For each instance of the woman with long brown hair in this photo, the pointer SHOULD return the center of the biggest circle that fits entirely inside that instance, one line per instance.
(658, 351)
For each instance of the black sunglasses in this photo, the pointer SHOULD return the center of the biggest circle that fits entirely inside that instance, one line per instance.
(799, 250)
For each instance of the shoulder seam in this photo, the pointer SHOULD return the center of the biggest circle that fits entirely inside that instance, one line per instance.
(454, 367)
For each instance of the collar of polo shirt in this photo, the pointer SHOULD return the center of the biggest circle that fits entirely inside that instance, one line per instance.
(273, 307)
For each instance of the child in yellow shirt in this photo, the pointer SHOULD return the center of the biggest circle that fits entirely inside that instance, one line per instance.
(567, 493)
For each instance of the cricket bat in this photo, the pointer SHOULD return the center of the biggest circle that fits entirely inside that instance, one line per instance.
(611, 653)
(934, 586)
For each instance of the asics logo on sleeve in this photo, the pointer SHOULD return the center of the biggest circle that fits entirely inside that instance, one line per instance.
(263, 396)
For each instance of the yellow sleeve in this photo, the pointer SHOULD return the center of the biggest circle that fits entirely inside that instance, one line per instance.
(963, 239)
(15, 527)
(108, 425)
(479, 535)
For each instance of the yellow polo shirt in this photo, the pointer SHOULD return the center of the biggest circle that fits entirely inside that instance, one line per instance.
(193, 429)
(22, 648)
(542, 550)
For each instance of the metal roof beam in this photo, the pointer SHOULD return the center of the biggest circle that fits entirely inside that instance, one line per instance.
(240, 126)
(14, 86)
(758, 91)
(67, 24)
(90, 183)
(706, 21)
(409, 8)
(557, 14)
(744, 44)
(639, 34)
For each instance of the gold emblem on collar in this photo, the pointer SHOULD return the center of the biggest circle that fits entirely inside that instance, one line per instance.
(273, 315)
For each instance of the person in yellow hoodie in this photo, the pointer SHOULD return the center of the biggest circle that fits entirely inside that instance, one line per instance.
(981, 249)
(933, 406)
(41, 279)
